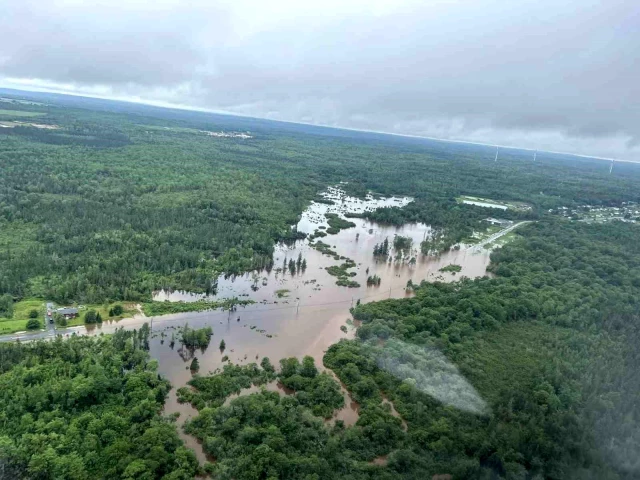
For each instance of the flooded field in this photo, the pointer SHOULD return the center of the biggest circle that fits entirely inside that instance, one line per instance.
(301, 313)
(298, 313)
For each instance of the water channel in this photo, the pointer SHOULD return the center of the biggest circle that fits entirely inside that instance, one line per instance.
(306, 319)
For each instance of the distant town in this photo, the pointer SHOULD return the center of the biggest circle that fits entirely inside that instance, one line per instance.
(627, 212)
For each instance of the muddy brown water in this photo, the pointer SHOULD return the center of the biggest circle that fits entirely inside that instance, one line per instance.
(307, 320)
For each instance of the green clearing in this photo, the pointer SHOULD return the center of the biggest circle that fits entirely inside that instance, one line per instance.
(21, 309)
(509, 204)
(503, 240)
(480, 235)
(12, 326)
(20, 113)
(129, 310)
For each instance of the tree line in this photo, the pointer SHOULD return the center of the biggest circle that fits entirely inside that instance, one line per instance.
(86, 408)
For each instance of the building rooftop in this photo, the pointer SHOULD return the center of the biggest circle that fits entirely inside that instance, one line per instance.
(67, 311)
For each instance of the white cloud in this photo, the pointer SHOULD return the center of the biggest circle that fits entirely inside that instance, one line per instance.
(536, 73)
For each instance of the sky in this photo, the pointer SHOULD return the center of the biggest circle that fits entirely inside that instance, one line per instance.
(549, 75)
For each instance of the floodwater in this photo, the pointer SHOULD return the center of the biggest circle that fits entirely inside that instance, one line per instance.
(306, 319)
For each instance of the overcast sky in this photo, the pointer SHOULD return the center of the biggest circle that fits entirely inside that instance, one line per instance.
(546, 74)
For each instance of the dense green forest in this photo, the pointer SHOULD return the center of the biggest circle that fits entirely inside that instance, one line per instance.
(532, 374)
(550, 345)
(111, 205)
(87, 408)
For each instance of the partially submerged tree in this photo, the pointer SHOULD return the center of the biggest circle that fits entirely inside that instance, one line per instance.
(195, 365)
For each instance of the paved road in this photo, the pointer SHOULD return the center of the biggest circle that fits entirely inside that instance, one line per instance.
(499, 234)
(49, 333)
(27, 336)
(49, 325)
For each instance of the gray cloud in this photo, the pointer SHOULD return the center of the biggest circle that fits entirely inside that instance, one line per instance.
(532, 74)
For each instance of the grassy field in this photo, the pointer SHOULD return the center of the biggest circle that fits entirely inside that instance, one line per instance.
(503, 240)
(12, 326)
(22, 308)
(103, 309)
(21, 314)
(479, 236)
(18, 113)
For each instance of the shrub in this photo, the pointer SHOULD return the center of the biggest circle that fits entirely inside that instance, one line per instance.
(33, 324)
(60, 320)
(91, 316)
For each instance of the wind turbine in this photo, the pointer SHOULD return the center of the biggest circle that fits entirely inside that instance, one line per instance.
(496, 159)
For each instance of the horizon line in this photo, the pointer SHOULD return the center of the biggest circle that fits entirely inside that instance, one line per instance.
(175, 106)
